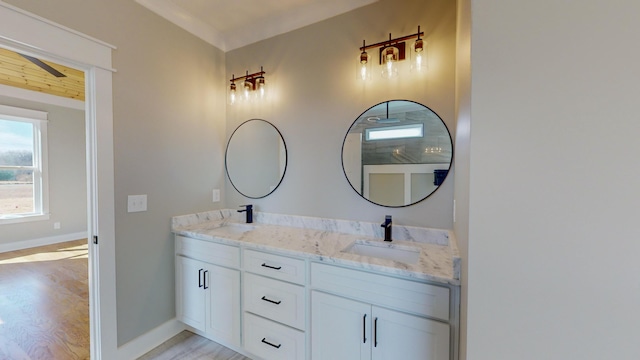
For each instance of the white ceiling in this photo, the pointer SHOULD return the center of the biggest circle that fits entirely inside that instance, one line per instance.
(231, 24)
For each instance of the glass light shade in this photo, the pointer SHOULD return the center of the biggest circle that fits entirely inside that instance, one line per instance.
(248, 87)
(418, 56)
(261, 87)
(363, 67)
(232, 94)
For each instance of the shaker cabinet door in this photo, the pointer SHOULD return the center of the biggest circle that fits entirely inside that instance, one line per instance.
(416, 338)
(223, 304)
(190, 299)
(340, 328)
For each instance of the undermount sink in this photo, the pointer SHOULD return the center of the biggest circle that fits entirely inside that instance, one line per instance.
(389, 251)
(234, 228)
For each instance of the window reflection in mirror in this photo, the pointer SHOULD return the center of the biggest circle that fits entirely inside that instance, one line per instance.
(397, 153)
(256, 158)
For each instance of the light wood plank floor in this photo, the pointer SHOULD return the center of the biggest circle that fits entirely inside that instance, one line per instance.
(189, 346)
(44, 303)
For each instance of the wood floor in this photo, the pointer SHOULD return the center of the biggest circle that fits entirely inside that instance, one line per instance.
(189, 346)
(44, 310)
(44, 303)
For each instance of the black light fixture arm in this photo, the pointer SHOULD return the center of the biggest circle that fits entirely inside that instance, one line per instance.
(248, 76)
(392, 41)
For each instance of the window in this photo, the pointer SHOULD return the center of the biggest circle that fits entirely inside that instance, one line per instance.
(23, 165)
(394, 132)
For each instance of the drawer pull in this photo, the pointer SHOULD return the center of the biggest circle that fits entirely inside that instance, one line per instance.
(204, 278)
(271, 267)
(271, 301)
(200, 278)
(264, 340)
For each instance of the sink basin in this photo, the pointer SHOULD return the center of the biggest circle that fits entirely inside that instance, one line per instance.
(389, 251)
(234, 228)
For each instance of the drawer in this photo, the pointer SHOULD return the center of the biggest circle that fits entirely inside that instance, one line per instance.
(275, 300)
(404, 295)
(213, 253)
(275, 266)
(272, 341)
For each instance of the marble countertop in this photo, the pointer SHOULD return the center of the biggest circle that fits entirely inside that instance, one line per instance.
(324, 240)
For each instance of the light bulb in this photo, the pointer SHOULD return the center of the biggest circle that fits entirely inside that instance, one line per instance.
(232, 90)
(261, 86)
(364, 63)
(389, 63)
(390, 69)
(248, 86)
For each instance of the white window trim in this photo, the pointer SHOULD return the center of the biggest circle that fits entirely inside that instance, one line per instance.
(40, 162)
(398, 131)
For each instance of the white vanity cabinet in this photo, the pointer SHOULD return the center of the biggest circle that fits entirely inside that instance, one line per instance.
(361, 315)
(208, 288)
(274, 306)
(269, 305)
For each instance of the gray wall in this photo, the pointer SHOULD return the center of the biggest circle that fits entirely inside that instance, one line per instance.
(553, 270)
(67, 175)
(315, 96)
(463, 156)
(169, 113)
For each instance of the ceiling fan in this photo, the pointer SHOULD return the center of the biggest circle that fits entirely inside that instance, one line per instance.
(44, 66)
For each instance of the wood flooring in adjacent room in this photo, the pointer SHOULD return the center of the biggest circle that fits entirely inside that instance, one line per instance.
(44, 303)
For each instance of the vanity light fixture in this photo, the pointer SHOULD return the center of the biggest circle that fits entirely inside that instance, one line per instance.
(252, 84)
(390, 53)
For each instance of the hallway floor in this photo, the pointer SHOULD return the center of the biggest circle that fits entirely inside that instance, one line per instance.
(44, 303)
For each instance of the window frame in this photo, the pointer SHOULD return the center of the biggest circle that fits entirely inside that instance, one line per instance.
(370, 131)
(40, 166)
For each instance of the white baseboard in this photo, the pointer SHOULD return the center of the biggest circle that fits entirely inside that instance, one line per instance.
(50, 240)
(147, 342)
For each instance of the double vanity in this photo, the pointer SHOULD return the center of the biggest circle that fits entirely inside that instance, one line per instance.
(292, 287)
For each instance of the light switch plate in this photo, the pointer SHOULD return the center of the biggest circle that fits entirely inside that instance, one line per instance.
(216, 195)
(136, 203)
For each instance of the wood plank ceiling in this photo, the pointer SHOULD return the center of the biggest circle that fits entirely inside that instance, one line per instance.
(18, 71)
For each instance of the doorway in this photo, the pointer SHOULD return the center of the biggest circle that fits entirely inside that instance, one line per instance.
(47, 40)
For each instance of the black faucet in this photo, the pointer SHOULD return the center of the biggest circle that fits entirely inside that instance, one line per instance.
(249, 210)
(387, 228)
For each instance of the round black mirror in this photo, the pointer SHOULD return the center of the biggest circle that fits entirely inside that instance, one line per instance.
(256, 158)
(397, 153)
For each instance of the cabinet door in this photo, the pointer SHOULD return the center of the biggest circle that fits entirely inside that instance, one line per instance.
(414, 337)
(340, 328)
(190, 298)
(223, 304)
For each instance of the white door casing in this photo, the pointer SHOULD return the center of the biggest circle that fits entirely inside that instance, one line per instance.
(36, 36)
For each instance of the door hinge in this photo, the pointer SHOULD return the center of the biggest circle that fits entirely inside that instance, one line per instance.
(95, 239)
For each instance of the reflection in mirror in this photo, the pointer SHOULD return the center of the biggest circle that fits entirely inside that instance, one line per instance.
(256, 158)
(397, 153)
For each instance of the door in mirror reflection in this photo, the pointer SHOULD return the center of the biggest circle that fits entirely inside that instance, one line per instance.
(256, 158)
(397, 153)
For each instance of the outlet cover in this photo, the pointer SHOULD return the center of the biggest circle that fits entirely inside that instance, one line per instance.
(56, 225)
(216, 195)
(136, 203)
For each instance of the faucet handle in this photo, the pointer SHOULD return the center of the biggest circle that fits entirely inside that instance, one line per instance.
(387, 221)
(248, 206)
